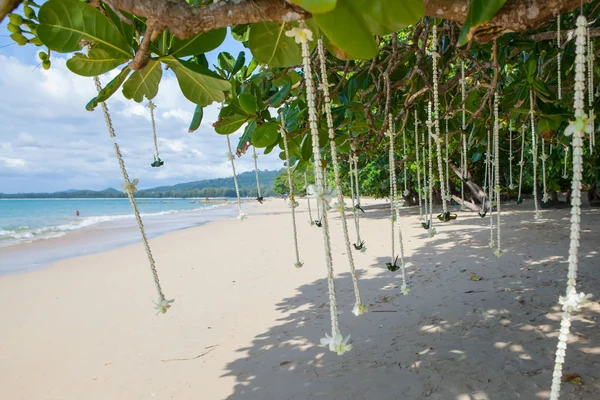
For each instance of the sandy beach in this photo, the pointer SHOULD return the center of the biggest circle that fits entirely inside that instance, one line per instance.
(246, 324)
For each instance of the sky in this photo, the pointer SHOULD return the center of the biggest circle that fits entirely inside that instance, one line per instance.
(50, 142)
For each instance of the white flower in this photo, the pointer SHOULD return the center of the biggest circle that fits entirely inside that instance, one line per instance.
(327, 195)
(300, 35)
(359, 309)
(581, 124)
(406, 192)
(163, 305)
(242, 216)
(337, 343)
(573, 300)
(130, 186)
(293, 204)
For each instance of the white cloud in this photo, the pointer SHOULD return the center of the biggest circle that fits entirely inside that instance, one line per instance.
(49, 141)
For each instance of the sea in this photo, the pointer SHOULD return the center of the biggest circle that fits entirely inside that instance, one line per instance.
(29, 226)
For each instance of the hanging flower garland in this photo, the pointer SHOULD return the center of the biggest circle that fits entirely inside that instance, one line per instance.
(157, 161)
(425, 187)
(558, 57)
(498, 251)
(336, 342)
(405, 161)
(129, 187)
(259, 198)
(429, 226)
(421, 218)
(293, 202)
(241, 215)
(590, 59)
(490, 186)
(356, 207)
(565, 174)
(519, 200)
(359, 307)
(534, 154)
(511, 185)
(573, 300)
(463, 155)
(544, 157)
(310, 217)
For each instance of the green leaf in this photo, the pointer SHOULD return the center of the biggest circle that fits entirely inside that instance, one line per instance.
(247, 103)
(316, 6)
(239, 63)
(143, 82)
(199, 44)
(230, 124)
(269, 44)
(127, 30)
(64, 23)
(196, 119)
(246, 136)
(281, 95)
(480, 11)
(226, 61)
(265, 135)
(96, 62)
(161, 44)
(198, 84)
(386, 16)
(348, 30)
(240, 32)
(109, 89)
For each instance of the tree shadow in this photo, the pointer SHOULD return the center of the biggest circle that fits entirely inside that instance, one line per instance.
(452, 337)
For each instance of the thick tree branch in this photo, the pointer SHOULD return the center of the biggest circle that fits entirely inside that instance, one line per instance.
(184, 20)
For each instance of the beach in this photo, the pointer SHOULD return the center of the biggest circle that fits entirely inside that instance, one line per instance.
(246, 324)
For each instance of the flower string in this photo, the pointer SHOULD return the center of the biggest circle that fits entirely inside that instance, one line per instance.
(490, 185)
(312, 222)
(497, 173)
(405, 159)
(336, 341)
(255, 157)
(511, 185)
(463, 169)
(558, 57)
(431, 229)
(565, 174)
(293, 203)
(523, 127)
(545, 197)
(463, 91)
(534, 154)
(590, 59)
(241, 215)
(356, 207)
(152, 106)
(359, 307)
(573, 300)
(447, 194)
(425, 187)
(418, 165)
(436, 114)
(162, 305)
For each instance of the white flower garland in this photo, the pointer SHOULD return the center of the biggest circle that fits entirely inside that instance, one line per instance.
(463, 91)
(425, 191)
(336, 341)
(157, 161)
(498, 251)
(436, 111)
(573, 300)
(162, 305)
(490, 185)
(590, 59)
(405, 159)
(293, 203)
(565, 174)
(534, 154)
(511, 185)
(359, 307)
(394, 201)
(418, 165)
(241, 215)
(463, 169)
(545, 197)
(356, 207)
(521, 161)
(255, 157)
(431, 230)
(558, 57)
(312, 222)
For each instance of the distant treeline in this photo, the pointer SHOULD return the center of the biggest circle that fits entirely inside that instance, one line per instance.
(221, 187)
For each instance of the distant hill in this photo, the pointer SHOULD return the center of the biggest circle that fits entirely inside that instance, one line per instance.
(220, 187)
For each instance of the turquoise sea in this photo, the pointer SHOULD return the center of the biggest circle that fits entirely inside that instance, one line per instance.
(102, 224)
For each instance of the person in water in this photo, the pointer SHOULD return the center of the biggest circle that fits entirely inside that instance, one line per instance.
(77, 213)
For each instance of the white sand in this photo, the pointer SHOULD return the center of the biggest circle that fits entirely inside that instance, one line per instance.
(85, 328)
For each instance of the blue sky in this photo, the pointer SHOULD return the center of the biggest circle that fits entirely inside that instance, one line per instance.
(49, 142)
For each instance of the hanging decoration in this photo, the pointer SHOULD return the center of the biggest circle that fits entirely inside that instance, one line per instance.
(446, 160)
(573, 300)
(429, 226)
(590, 59)
(544, 157)
(259, 198)
(534, 154)
(558, 57)
(425, 187)
(359, 307)
(405, 161)
(484, 205)
(293, 202)
(129, 187)
(356, 207)
(421, 218)
(463, 154)
(157, 161)
(511, 128)
(310, 217)
(565, 174)
(523, 127)
(336, 342)
(241, 215)
(490, 186)
(498, 251)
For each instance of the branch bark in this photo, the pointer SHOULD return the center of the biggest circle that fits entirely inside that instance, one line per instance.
(184, 20)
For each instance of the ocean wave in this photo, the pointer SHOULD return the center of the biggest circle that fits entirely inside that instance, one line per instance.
(22, 234)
